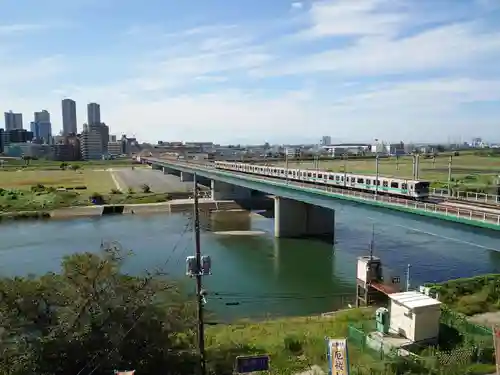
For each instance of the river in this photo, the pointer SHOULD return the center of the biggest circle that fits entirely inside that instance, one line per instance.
(261, 274)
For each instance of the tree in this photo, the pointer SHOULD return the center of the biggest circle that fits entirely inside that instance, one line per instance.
(93, 317)
(145, 188)
(63, 166)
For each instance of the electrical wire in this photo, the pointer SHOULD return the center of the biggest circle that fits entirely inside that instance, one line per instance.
(136, 321)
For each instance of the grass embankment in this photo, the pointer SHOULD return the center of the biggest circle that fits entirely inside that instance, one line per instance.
(8, 164)
(293, 344)
(469, 172)
(470, 296)
(33, 191)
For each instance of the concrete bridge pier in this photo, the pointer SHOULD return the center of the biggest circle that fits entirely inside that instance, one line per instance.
(294, 219)
(224, 191)
(187, 177)
(167, 170)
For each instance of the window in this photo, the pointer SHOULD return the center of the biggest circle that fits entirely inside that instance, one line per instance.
(360, 180)
(320, 176)
(404, 186)
(330, 177)
(337, 178)
(394, 185)
(368, 182)
(385, 184)
(309, 174)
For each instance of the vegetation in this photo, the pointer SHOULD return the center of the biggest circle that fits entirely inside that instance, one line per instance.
(470, 172)
(28, 163)
(470, 296)
(294, 344)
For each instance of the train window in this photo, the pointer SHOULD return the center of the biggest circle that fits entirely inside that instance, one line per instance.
(394, 184)
(385, 184)
(309, 174)
(404, 186)
(320, 176)
(291, 172)
(360, 180)
(368, 182)
(341, 178)
(330, 177)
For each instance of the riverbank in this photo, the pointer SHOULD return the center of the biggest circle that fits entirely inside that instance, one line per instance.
(173, 206)
(294, 344)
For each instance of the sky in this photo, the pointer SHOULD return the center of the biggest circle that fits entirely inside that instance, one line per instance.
(250, 71)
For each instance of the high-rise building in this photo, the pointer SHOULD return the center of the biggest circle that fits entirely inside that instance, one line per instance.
(42, 127)
(93, 114)
(42, 131)
(69, 116)
(94, 141)
(42, 116)
(13, 120)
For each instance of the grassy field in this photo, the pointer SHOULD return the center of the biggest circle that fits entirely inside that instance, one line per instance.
(294, 344)
(466, 169)
(95, 180)
(14, 163)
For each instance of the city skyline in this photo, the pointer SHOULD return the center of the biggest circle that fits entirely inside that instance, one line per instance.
(277, 71)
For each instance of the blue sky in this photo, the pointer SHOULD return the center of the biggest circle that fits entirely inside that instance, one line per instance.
(254, 71)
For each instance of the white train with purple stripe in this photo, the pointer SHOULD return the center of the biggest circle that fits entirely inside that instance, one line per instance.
(413, 189)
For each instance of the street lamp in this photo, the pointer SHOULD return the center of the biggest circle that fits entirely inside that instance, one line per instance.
(345, 169)
(376, 175)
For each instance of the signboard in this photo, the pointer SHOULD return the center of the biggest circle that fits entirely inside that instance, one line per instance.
(496, 342)
(245, 364)
(338, 358)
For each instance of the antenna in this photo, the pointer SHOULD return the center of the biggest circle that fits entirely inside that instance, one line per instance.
(372, 242)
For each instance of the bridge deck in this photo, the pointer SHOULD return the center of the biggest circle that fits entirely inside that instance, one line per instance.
(451, 213)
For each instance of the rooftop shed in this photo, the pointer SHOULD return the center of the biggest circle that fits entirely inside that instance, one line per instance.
(415, 316)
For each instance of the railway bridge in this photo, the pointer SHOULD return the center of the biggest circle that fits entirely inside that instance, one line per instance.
(305, 210)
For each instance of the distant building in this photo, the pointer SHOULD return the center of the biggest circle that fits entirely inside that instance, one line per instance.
(114, 148)
(42, 116)
(112, 138)
(326, 140)
(42, 131)
(69, 116)
(13, 120)
(94, 141)
(17, 136)
(2, 136)
(67, 149)
(93, 114)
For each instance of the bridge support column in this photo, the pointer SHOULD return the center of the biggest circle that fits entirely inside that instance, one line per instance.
(223, 191)
(298, 219)
(186, 177)
(167, 170)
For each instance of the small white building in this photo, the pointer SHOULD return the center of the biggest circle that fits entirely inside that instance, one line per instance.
(415, 316)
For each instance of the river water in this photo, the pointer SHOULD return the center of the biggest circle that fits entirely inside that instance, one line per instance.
(260, 275)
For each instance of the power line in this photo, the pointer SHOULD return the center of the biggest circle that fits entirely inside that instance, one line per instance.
(136, 321)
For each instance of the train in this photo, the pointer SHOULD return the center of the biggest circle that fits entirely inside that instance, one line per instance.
(397, 187)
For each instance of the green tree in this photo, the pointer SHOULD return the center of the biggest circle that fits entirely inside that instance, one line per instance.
(93, 317)
(63, 166)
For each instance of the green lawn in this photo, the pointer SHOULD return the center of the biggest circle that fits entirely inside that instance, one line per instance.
(95, 180)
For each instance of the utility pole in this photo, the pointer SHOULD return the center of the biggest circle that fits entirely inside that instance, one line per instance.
(449, 176)
(345, 168)
(286, 164)
(408, 277)
(199, 275)
(417, 167)
(376, 176)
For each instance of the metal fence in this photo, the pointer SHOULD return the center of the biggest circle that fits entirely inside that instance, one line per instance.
(467, 196)
(476, 346)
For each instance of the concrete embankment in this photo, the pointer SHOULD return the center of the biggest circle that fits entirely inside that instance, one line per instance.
(173, 206)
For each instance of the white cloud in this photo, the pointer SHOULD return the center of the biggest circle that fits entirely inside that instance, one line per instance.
(222, 81)
(10, 29)
(443, 47)
(347, 17)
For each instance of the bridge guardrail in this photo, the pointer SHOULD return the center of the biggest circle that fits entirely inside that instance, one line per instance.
(463, 213)
(468, 196)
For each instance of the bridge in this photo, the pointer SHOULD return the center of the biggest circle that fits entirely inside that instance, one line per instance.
(303, 209)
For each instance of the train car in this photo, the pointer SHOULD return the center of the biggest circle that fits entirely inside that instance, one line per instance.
(413, 189)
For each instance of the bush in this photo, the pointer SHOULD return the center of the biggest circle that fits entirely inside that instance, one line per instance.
(115, 191)
(145, 188)
(293, 344)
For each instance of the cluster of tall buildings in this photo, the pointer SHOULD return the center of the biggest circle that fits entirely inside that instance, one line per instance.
(93, 142)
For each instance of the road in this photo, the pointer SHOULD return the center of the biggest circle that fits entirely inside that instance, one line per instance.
(157, 181)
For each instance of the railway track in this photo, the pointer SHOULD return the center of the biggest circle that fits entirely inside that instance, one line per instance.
(471, 203)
